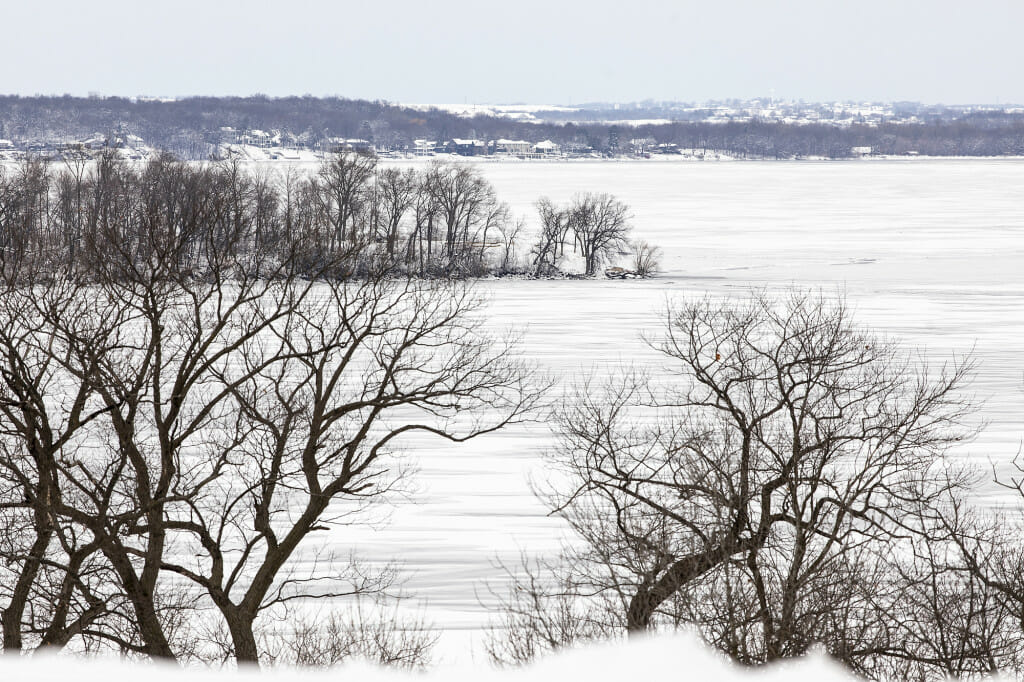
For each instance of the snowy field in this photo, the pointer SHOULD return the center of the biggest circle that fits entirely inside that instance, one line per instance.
(930, 252)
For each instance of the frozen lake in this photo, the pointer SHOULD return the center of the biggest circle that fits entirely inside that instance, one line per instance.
(930, 252)
(927, 251)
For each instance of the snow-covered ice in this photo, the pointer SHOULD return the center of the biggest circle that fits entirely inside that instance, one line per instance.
(930, 252)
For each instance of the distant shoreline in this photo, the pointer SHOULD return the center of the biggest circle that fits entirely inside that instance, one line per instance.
(10, 161)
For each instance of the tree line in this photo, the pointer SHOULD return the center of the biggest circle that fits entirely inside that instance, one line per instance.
(350, 217)
(971, 136)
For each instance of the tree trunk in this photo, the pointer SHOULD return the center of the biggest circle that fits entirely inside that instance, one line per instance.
(240, 626)
(11, 617)
(650, 596)
(151, 630)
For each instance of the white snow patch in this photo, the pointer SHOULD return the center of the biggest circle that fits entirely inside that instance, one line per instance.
(663, 657)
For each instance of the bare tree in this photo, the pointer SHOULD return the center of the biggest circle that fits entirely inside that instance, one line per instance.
(464, 201)
(985, 551)
(395, 192)
(781, 440)
(420, 248)
(600, 225)
(942, 620)
(510, 231)
(320, 401)
(550, 245)
(51, 592)
(25, 211)
(345, 180)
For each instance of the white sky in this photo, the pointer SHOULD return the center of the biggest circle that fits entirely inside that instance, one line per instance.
(535, 51)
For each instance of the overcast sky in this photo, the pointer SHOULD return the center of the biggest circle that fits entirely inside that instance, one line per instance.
(537, 51)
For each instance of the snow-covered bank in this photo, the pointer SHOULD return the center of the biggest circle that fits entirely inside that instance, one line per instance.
(667, 656)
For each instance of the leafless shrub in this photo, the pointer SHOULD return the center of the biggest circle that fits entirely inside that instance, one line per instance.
(646, 258)
(375, 632)
(510, 232)
(541, 609)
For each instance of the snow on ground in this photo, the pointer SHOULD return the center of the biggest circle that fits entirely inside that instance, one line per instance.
(252, 153)
(633, 122)
(654, 658)
(523, 112)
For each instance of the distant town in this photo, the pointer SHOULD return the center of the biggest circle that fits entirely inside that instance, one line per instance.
(795, 112)
(260, 128)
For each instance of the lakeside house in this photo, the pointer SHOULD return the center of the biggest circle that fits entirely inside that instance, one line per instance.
(546, 148)
(467, 147)
(424, 147)
(512, 147)
(337, 145)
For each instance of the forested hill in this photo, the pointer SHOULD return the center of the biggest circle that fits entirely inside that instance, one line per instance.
(193, 127)
(186, 126)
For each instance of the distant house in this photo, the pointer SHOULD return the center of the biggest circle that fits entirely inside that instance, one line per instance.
(229, 135)
(258, 138)
(467, 147)
(861, 151)
(578, 148)
(97, 141)
(337, 145)
(424, 147)
(6, 144)
(517, 147)
(545, 148)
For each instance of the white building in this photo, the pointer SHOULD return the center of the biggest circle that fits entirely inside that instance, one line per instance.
(339, 145)
(513, 147)
(259, 138)
(424, 147)
(545, 148)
